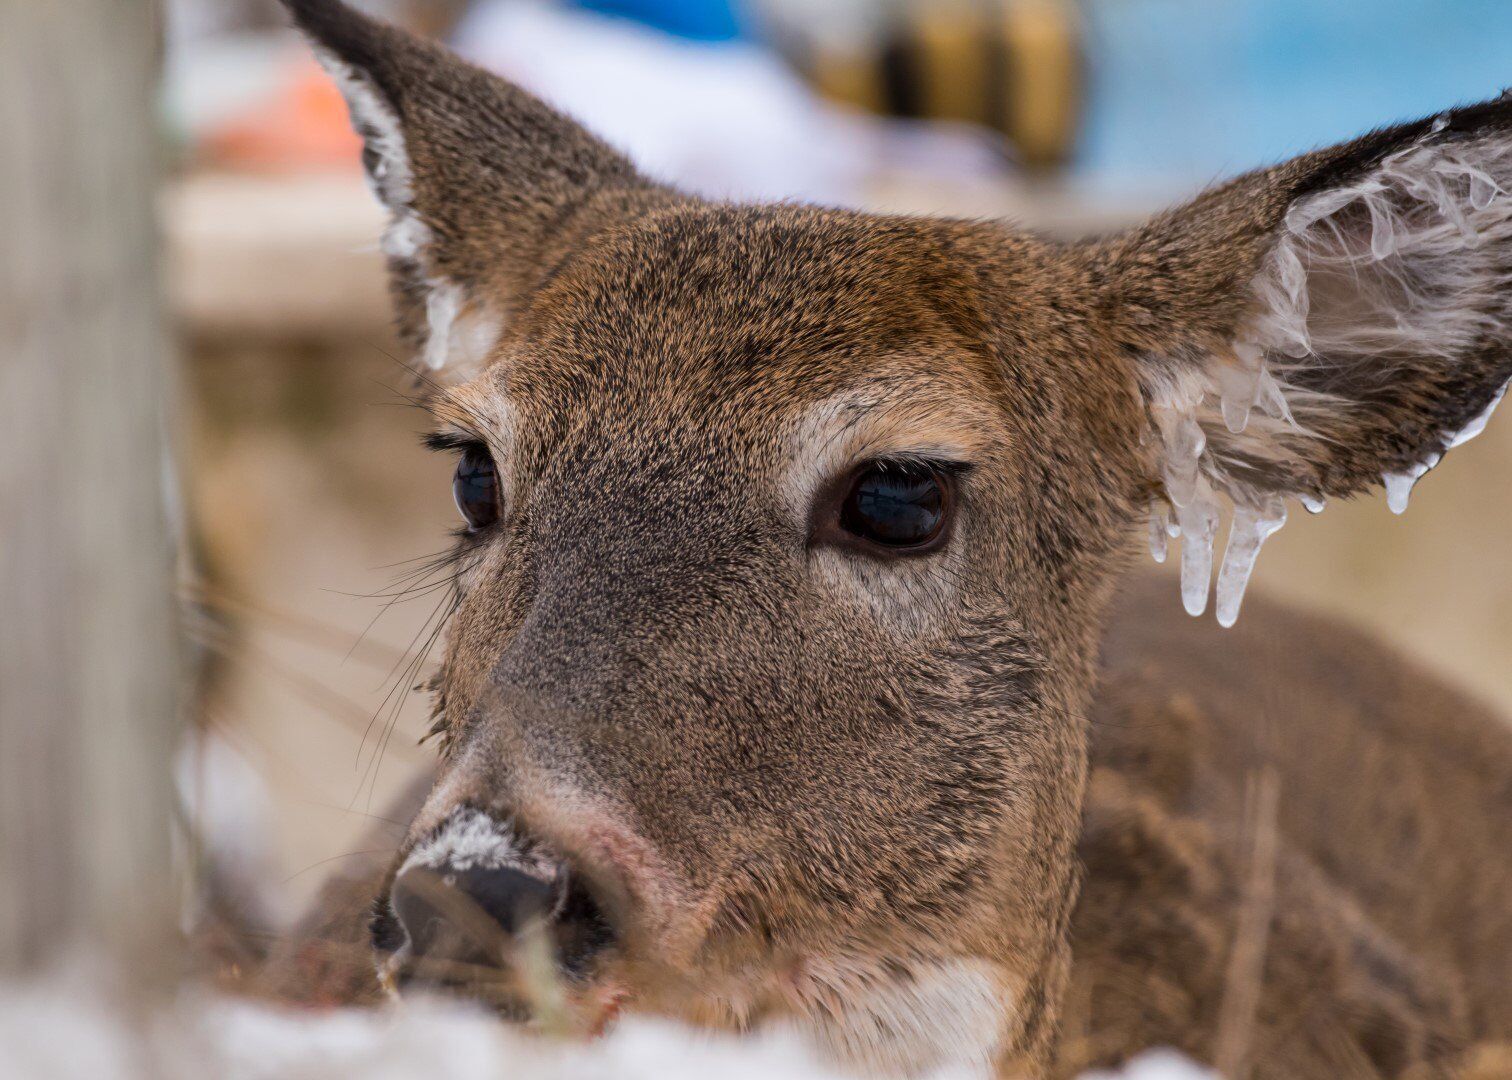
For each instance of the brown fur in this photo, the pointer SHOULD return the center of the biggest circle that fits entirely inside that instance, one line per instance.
(818, 785)
(1391, 940)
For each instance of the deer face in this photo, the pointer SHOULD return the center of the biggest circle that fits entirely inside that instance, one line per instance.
(744, 640)
(789, 530)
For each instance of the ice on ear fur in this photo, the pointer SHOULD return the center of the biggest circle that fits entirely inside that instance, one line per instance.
(1320, 328)
(487, 187)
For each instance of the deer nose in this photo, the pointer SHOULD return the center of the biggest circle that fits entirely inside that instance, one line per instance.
(470, 895)
(470, 915)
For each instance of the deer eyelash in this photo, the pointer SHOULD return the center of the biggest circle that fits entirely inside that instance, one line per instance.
(452, 442)
(905, 460)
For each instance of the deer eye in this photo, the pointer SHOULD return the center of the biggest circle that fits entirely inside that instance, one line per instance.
(900, 506)
(475, 486)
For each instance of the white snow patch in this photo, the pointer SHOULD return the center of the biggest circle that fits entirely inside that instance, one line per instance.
(82, 1021)
(79, 1023)
(72, 1026)
(1156, 1065)
(470, 838)
(226, 807)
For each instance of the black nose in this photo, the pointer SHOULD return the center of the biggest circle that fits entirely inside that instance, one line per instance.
(470, 914)
(475, 916)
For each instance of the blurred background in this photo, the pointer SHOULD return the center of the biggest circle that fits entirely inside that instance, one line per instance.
(313, 508)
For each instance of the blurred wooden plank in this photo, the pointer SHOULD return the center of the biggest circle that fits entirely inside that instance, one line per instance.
(87, 661)
(276, 258)
(295, 258)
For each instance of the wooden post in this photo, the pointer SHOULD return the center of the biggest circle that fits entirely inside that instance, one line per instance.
(87, 654)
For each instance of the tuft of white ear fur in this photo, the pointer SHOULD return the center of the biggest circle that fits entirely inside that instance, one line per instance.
(460, 332)
(1427, 277)
(388, 166)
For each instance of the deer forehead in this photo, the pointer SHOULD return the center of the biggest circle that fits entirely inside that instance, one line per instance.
(804, 426)
(747, 321)
(701, 293)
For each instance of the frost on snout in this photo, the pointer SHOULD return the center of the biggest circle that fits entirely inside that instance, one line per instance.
(478, 908)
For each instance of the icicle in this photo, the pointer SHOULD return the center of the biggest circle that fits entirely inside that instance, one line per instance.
(1483, 189)
(1199, 525)
(1236, 413)
(1398, 490)
(1185, 442)
(1439, 124)
(1478, 425)
(1158, 527)
(1250, 354)
(1250, 527)
(1237, 390)
(1272, 400)
(1293, 279)
(1313, 504)
(1399, 485)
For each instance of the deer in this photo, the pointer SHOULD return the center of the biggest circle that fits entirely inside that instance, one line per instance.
(800, 674)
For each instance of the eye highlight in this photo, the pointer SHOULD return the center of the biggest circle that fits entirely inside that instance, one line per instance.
(890, 507)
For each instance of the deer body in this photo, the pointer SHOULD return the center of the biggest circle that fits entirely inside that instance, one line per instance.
(1388, 937)
(791, 540)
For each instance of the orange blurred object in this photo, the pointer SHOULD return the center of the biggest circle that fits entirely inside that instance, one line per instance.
(304, 126)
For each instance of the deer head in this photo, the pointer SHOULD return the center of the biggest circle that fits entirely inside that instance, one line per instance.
(789, 532)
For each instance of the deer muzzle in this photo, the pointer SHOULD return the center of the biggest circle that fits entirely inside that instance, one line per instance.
(479, 910)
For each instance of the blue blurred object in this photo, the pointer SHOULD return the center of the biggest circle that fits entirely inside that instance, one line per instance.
(1185, 91)
(696, 20)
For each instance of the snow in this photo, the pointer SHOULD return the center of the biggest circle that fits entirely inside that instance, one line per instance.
(75, 1024)
(469, 838)
(1156, 1065)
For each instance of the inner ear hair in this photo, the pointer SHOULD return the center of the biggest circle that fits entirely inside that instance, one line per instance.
(1369, 336)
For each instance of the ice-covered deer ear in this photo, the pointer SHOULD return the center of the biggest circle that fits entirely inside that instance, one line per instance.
(1327, 326)
(487, 187)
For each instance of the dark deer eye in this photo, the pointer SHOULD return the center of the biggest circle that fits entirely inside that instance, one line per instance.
(476, 487)
(901, 506)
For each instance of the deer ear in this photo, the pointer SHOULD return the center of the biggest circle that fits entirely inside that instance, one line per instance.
(487, 187)
(1320, 328)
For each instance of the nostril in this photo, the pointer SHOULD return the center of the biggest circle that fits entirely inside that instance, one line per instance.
(461, 910)
(471, 916)
(582, 928)
(460, 913)
(508, 896)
